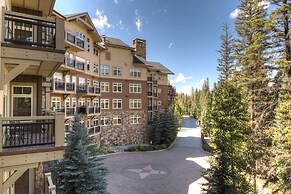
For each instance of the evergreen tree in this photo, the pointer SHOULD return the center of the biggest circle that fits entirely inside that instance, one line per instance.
(81, 170)
(154, 130)
(226, 60)
(168, 127)
(252, 46)
(227, 172)
(205, 100)
(282, 137)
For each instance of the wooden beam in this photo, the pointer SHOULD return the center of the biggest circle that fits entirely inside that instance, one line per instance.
(13, 178)
(15, 72)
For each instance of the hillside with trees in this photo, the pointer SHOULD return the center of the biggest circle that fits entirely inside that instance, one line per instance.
(247, 112)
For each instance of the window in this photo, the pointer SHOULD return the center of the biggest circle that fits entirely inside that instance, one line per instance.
(80, 63)
(135, 103)
(22, 100)
(56, 103)
(88, 65)
(104, 70)
(88, 45)
(159, 90)
(80, 39)
(104, 121)
(117, 120)
(96, 102)
(96, 52)
(104, 86)
(82, 102)
(135, 73)
(70, 36)
(58, 76)
(117, 104)
(104, 103)
(134, 88)
(96, 68)
(108, 56)
(117, 71)
(159, 103)
(135, 119)
(117, 87)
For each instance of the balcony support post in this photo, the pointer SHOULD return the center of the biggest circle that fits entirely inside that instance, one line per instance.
(59, 129)
(60, 28)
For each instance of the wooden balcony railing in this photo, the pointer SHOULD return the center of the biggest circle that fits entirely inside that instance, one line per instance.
(34, 31)
(31, 131)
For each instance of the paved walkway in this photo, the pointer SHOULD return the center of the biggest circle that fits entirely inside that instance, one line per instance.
(175, 171)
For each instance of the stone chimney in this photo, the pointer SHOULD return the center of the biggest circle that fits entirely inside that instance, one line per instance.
(140, 47)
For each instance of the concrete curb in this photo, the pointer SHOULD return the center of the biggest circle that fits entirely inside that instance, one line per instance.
(112, 154)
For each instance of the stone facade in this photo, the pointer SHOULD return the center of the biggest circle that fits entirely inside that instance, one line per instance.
(126, 133)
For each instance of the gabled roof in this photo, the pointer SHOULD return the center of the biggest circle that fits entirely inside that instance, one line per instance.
(151, 65)
(85, 19)
(109, 41)
(159, 67)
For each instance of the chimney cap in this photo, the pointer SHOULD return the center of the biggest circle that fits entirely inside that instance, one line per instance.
(138, 40)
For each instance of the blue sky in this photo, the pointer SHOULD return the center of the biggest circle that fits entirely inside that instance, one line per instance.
(182, 35)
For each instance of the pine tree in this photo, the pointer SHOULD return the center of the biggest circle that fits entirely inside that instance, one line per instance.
(81, 170)
(252, 46)
(282, 137)
(154, 130)
(230, 138)
(205, 100)
(168, 127)
(226, 60)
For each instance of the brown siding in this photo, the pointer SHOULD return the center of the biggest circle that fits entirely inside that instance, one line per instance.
(125, 95)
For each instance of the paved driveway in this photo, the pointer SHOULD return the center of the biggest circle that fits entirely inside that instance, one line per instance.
(174, 171)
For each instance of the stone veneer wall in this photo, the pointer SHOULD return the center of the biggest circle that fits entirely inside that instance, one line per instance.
(126, 133)
(39, 179)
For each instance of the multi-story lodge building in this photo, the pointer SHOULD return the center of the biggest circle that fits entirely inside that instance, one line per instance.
(54, 66)
(32, 48)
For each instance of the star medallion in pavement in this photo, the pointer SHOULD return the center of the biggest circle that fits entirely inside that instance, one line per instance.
(146, 171)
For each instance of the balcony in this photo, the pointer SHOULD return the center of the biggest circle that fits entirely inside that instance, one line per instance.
(70, 111)
(150, 79)
(30, 131)
(155, 82)
(150, 108)
(75, 43)
(93, 130)
(69, 62)
(33, 38)
(88, 90)
(89, 110)
(31, 139)
(63, 87)
(152, 94)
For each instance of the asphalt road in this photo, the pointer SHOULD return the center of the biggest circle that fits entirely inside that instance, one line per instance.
(174, 171)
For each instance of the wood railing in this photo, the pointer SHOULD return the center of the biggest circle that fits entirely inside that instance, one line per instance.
(31, 131)
(50, 187)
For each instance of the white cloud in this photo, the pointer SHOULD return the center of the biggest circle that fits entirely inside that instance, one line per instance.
(121, 25)
(138, 21)
(234, 14)
(170, 45)
(201, 82)
(185, 89)
(101, 22)
(115, 1)
(265, 3)
(180, 79)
